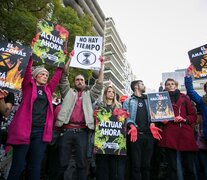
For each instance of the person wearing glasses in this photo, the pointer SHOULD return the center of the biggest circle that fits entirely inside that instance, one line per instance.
(75, 119)
(178, 136)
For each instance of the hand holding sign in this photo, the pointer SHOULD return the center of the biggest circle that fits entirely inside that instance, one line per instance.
(101, 58)
(190, 70)
(3, 93)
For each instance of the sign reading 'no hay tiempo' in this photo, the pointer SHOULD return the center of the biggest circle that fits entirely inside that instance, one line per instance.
(87, 52)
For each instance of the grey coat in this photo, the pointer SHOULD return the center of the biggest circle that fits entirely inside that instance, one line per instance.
(70, 96)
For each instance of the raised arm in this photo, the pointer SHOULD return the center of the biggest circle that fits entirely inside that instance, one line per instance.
(100, 76)
(64, 82)
(189, 87)
(28, 73)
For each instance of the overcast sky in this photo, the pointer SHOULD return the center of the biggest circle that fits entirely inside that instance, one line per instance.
(158, 33)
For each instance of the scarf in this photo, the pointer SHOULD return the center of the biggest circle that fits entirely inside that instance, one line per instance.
(174, 95)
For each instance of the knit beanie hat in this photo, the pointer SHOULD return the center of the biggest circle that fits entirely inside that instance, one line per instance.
(38, 70)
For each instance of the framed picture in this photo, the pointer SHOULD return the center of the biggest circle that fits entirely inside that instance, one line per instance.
(160, 106)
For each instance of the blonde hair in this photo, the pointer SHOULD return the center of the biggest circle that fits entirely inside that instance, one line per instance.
(115, 103)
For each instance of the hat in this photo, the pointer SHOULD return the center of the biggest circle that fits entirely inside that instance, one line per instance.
(123, 98)
(38, 70)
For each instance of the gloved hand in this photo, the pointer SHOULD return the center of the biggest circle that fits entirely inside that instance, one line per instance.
(190, 70)
(101, 58)
(155, 131)
(133, 133)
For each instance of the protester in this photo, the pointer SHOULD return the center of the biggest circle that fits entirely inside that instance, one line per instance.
(111, 165)
(177, 136)
(161, 87)
(6, 103)
(201, 165)
(141, 132)
(76, 118)
(201, 103)
(31, 128)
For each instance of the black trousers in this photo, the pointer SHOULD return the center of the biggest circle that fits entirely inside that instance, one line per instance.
(77, 140)
(140, 156)
(110, 167)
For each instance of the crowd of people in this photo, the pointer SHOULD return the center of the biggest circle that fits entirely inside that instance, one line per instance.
(53, 139)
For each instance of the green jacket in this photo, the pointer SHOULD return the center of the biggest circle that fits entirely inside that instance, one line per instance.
(70, 96)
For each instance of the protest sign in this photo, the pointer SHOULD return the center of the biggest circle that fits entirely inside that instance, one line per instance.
(50, 43)
(87, 52)
(110, 132)
(198, 58)
(13, 62)
(160, 106)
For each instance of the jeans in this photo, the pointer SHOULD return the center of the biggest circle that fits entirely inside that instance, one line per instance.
(182, 166)
(28, 156)
(112, 166)
(202, 163)
(141, 154)
(76, 139)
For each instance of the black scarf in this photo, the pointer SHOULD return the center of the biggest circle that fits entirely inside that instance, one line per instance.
(174, 95)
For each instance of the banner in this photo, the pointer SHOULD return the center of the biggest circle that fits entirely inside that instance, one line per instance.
(160, 106)
(50, 43)
(198, 58)
(110, 131)
(87, 52)
(13, 62)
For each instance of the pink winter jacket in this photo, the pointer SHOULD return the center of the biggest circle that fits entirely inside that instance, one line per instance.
(20, 127)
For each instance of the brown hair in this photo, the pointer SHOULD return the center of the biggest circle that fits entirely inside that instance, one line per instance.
(204, 87)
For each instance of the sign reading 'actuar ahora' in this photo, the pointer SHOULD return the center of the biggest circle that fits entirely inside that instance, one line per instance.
(50, 43)
(110, 131)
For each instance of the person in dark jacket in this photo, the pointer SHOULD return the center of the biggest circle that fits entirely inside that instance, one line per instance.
(201, 101)
(141, 132)
(6, 104)
(178, 136)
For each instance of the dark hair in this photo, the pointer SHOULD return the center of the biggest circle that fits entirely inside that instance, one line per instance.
(134, 83)
(204, 87)
(169, 79)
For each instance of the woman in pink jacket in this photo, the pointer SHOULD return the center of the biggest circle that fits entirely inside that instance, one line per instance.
(31, 128)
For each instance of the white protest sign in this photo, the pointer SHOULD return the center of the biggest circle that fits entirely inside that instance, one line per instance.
(87, 52)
